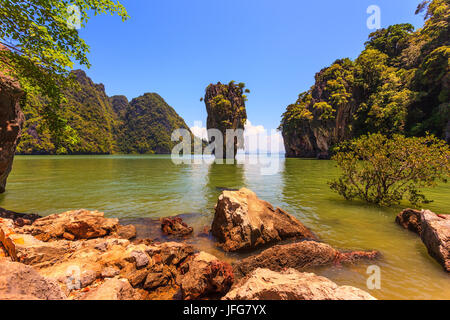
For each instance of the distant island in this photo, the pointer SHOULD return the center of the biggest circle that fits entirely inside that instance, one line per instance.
(98, 124)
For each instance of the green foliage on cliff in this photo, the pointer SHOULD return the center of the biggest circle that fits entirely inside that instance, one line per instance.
(96, 124)
(384, 170)
(398, 84)
(147, 126)
(38, 46)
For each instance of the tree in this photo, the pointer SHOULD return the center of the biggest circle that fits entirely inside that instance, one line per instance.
(39, 47)
(384, 170)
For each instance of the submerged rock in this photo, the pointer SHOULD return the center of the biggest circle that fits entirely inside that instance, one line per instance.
(206, 276)
(242, 221)
(264, 284)
(300, 256)
(436, 236)
(175, 226)
(410, 219)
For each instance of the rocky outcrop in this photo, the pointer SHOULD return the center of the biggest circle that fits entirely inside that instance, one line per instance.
(225, 105)
(264, 284)
(21, 282)
(309, 129)
(73, 225)
(11, 120)
(242, 221)
(300, 256)
(436, 236)
(113, 289)
(204, 275)
(410, 219)
(175, 226)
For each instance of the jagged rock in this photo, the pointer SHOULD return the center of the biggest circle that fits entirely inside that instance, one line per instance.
(264, 284)
(410, 219)
(113, 289)
(436, 236)
(81, 224)
(206, 275)
(18, 281)
(242, 221)
(175, 226)
(140, 258)
(300, 256)
(11, 120)
(126, 232)
(225, 105)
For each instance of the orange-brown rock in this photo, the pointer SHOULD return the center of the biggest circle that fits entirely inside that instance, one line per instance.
(436, 236)
(73, 225)
(204, 275)
(175, 226)
(242, 221)
(299, 255)
(290, 284)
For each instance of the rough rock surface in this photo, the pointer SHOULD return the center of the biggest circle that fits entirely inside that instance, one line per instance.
(11, 120)
(73, 225)
(205, 275)
(264, 284)
(225, 105)
(410, 219)
(18, 281)
(300, 256)
(175, 226)
(436, 236)
(242, 221)
(113, 289)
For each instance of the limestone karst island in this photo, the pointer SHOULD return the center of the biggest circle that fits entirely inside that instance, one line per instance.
(223, 152)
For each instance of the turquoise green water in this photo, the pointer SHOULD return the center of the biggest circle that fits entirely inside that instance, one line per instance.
(152, 186)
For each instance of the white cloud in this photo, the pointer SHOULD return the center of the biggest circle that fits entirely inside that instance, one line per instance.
(257, 138)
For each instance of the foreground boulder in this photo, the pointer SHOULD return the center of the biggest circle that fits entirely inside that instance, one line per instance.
(264, 284)
(242, 221)
(175, 226)
(21, 282)
(73, 225)
(300, 256)
(410, 219)
(204, 276)
(436, 236)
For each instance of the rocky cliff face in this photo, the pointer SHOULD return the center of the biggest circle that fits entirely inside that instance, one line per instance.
(319, 124)
(11, 119)
(225, 105)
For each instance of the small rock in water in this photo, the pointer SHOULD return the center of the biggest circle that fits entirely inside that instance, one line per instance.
(175, 226)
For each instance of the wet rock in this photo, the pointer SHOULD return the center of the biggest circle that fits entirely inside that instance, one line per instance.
(206, 276)
(23, 282)
(242, 221)
(126, 232)
(300, 256)
(436, 236)
(81, 224)
(19, 218)
(175, 226)
(264, 284)
(410, 219)
(113, 289)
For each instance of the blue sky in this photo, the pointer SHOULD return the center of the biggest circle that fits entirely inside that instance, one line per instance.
(177, 47)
